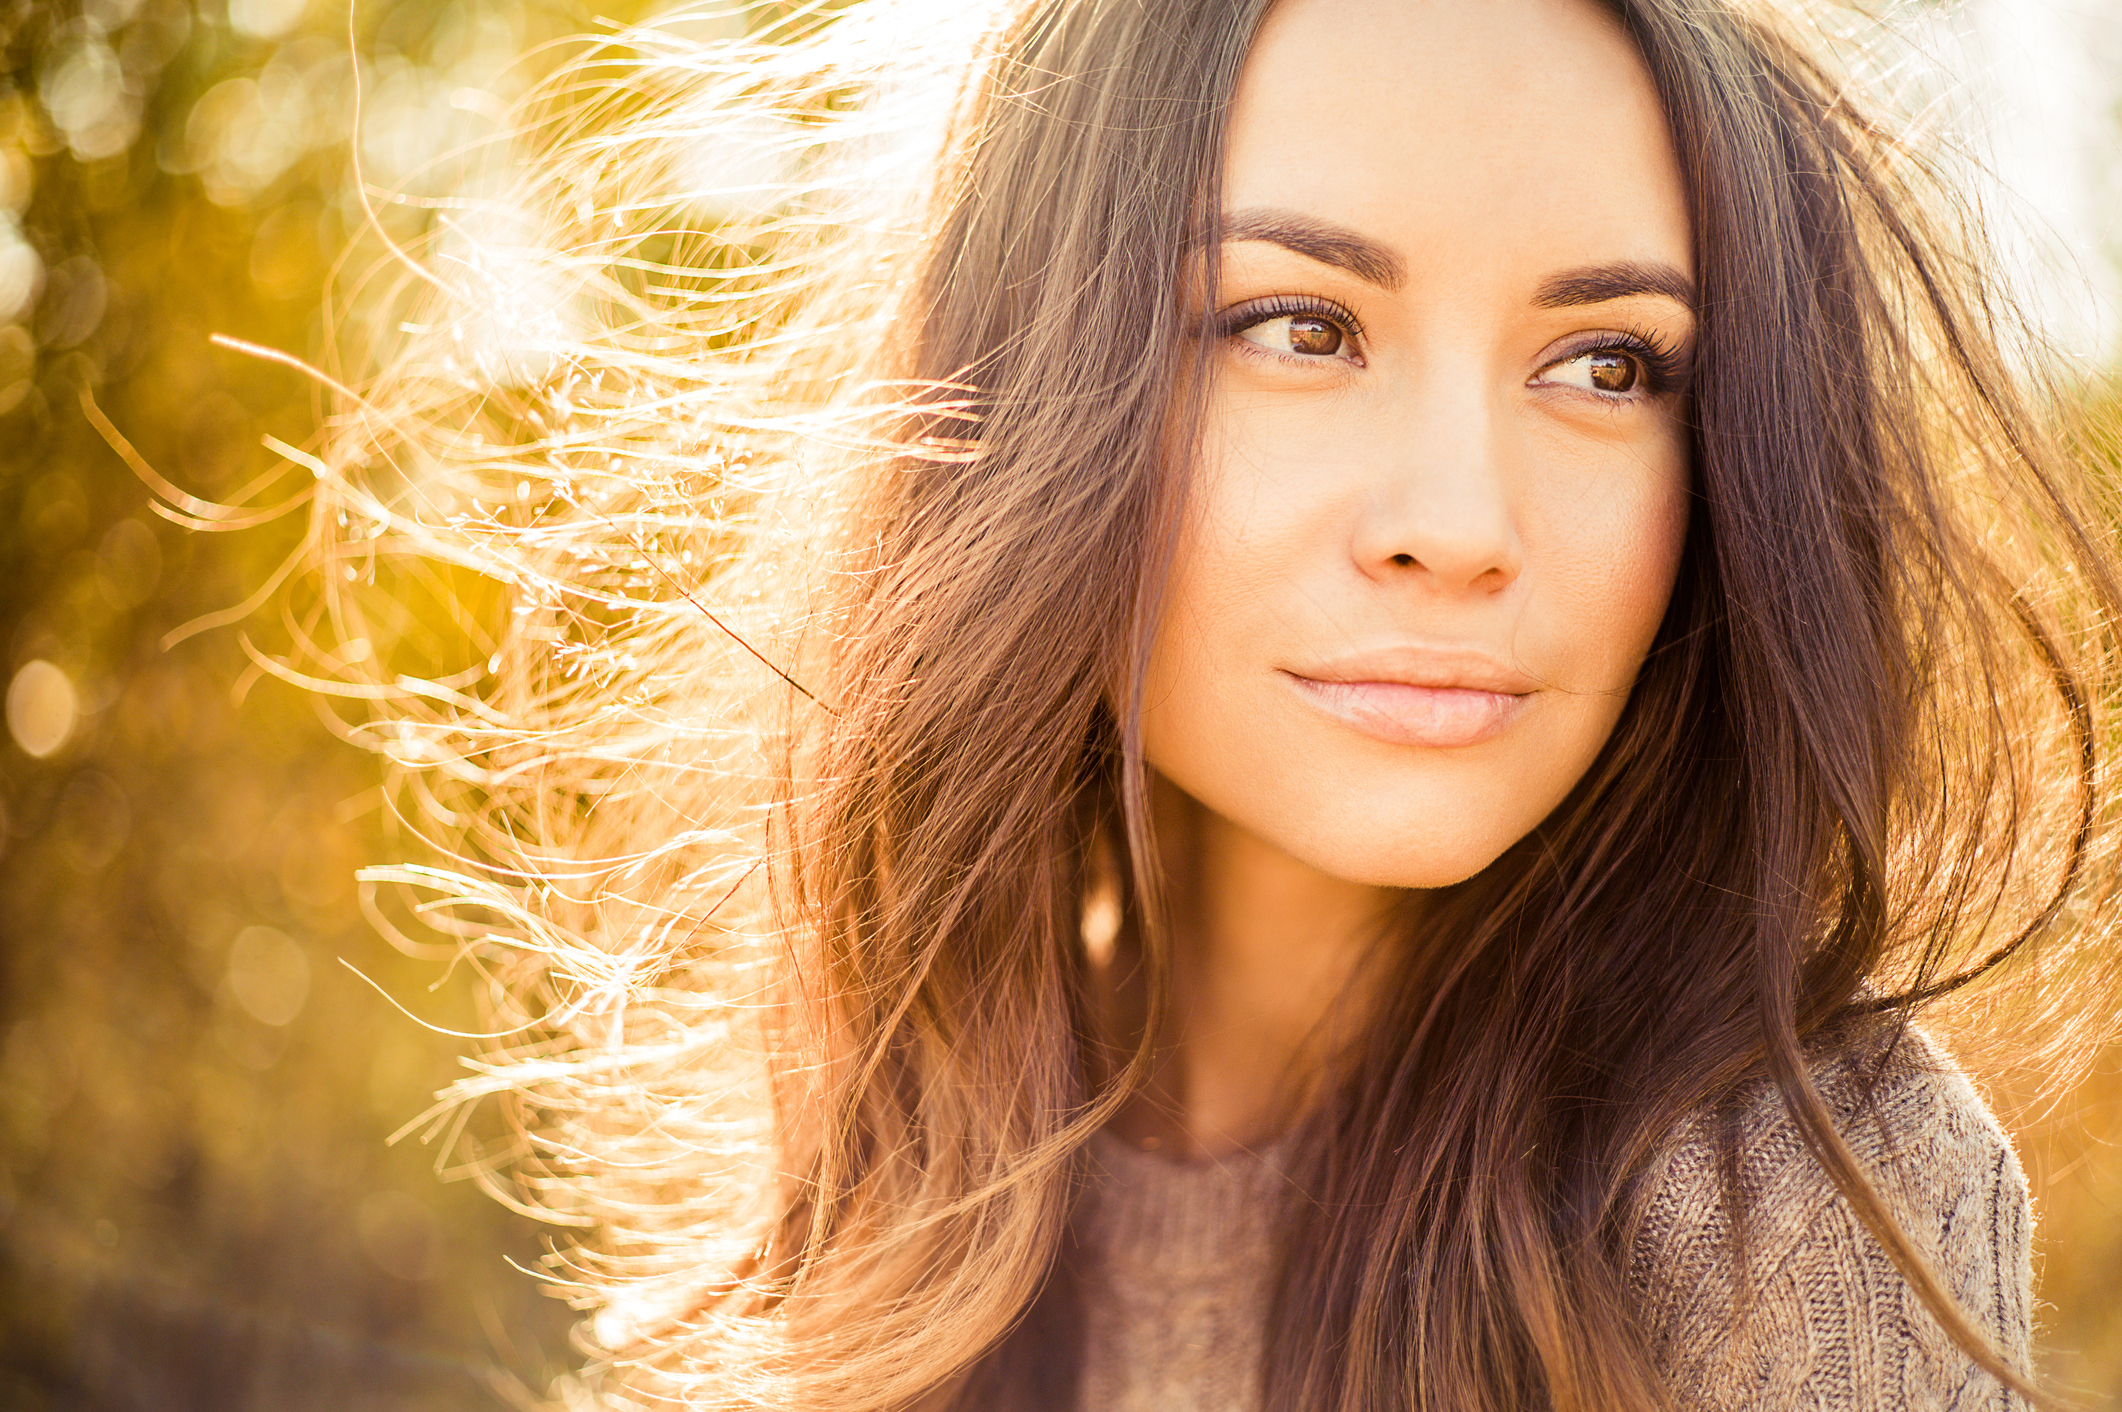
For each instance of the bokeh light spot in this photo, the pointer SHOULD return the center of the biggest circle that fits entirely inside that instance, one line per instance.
(41, 708)
(86, 95)
(245, 132)
(21, 272)
(266, 19)
(268, 974)
(110, 15)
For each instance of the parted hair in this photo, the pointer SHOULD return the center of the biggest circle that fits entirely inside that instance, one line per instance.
(795, 416)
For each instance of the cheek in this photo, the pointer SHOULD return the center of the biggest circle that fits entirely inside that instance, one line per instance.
(1608, 556)
(1261, 579)
(1242, 578)
(1208, 595)
(1233, 599)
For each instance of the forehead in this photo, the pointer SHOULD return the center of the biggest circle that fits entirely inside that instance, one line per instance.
(1505, 132)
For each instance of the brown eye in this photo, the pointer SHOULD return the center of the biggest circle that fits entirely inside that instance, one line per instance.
(1613, 372)
(1301, 335)
(1310, 334)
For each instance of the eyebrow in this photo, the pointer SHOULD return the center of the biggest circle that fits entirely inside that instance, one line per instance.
(1368, 260)
(1319, 240)
(1624, 279)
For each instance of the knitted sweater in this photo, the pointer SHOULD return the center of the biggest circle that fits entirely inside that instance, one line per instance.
(1179, 1258)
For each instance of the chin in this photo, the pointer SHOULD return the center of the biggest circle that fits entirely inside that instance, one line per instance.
(1398, 847)
(1415, 866)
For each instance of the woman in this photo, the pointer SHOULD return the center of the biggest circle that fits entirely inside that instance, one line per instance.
(1217, 705)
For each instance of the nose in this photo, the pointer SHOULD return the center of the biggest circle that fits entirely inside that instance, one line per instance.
(1438, 507)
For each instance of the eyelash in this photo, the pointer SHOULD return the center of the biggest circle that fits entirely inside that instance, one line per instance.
(1232, 322)
(1665, 368)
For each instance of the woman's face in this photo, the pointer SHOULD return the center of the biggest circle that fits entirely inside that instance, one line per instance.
(1440, 499)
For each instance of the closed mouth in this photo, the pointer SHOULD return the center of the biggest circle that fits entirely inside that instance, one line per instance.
(1437, 700)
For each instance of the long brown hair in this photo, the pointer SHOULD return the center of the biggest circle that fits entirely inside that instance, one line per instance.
(833, 529)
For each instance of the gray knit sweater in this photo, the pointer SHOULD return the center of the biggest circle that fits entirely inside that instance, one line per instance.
(1179, 1258)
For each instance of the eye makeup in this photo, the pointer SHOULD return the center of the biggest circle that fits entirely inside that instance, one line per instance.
(1666, 367)
(1253, 312)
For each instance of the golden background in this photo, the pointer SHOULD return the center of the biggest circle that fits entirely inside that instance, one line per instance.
(198, 1208)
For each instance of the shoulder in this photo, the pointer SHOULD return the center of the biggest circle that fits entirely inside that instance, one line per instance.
(1758, 1284)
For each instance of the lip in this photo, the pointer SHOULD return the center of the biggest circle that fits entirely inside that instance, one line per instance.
(1443, 698)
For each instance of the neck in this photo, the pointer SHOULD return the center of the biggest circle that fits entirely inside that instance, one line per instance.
(1267, 982)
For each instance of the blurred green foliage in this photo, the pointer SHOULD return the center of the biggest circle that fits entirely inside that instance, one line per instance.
(198, 1208)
